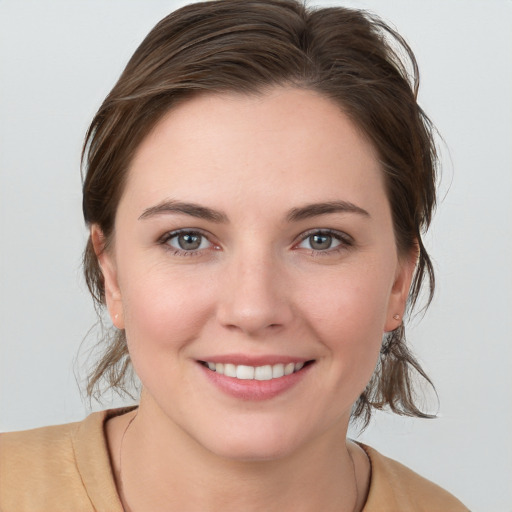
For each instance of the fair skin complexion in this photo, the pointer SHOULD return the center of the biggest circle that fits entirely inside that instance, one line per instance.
(252, 230)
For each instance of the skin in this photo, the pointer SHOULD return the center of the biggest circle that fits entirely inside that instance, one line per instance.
(254, 287)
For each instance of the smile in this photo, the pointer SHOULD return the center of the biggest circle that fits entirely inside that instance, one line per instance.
(244, 372)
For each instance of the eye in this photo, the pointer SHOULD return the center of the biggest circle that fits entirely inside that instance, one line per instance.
(187, 241)
(320, 241)
(325, 241)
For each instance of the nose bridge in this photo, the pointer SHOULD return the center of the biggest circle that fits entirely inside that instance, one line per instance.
(254, 296)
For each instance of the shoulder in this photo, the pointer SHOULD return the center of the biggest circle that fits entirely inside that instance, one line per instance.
(34, 464)
(55, 468)
(33, 447)
(398, 488)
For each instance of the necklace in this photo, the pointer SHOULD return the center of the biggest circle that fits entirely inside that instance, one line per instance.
(355, 481)
(121, 484)
(126, 508)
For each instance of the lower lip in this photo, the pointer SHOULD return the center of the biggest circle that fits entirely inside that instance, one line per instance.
(255, 390)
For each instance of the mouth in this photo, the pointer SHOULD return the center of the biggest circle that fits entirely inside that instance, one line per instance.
(260, 373)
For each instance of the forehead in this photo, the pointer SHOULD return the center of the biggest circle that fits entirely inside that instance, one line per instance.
(285, 144)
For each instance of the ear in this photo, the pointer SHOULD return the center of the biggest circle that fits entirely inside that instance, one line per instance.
(400, 291)
(109, 270)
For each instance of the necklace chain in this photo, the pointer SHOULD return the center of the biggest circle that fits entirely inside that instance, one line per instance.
(355, 481)
(121, 483)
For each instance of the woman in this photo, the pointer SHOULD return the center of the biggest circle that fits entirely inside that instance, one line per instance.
(257, 186)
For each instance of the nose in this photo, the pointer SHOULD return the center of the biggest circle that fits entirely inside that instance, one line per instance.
(255, 295)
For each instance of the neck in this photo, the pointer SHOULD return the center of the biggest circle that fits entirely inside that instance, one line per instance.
(160, 467)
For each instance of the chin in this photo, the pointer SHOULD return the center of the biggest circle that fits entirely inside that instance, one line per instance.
(257, 439)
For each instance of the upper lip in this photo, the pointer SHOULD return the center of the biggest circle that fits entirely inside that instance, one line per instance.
(249, 360)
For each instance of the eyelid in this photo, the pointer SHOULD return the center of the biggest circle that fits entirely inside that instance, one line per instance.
(162, 240)
(344, 238)
(170, 234)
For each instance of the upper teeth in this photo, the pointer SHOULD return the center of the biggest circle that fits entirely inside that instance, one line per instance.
(244, 372)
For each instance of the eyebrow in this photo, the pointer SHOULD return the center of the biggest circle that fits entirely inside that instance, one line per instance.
(170, 206)
(315, 209)
(192, 209)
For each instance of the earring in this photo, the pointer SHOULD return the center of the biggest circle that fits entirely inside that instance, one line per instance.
(396, 317)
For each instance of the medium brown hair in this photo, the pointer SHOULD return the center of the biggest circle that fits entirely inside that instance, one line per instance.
(349, 56)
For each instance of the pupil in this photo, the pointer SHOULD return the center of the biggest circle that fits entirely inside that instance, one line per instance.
(189, 241)
(320, 241)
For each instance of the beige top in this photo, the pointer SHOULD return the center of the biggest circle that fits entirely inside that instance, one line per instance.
(67, 468)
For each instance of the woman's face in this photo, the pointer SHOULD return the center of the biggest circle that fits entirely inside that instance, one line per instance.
(254, 236)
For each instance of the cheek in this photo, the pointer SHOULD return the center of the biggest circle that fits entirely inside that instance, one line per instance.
(163, 313)
(349, 315)
(350, 302)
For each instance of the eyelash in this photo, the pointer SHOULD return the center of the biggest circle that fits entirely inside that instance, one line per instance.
(345, 242)
(182, 252)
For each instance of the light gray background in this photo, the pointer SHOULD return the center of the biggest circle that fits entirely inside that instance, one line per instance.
(58, 59)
